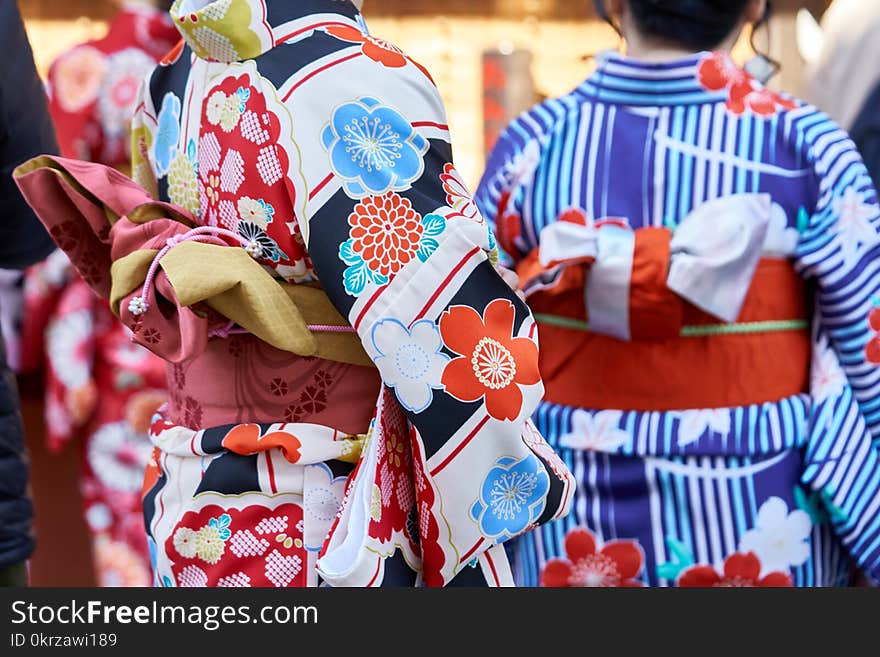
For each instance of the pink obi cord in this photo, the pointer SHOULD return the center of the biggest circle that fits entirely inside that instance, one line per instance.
(210, 234)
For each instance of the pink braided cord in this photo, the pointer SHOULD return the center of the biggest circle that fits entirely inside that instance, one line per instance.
(200, 234)
(210, 234)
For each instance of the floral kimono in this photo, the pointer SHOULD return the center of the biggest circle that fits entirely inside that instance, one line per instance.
(93, 87)
(99, 386)
(350, 379)
(701, 256)
(101, 389)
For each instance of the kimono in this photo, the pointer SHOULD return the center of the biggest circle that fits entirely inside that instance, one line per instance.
(701, 257)
(94, 86)
(101, 389)
(351, 380)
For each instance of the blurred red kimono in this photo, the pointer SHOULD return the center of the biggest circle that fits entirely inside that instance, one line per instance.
(100, 387)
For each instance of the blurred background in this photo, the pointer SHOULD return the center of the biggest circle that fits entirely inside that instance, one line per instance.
(548, 44)
(491, 59)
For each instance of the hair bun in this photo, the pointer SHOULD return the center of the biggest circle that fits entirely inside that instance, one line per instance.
(695, 24)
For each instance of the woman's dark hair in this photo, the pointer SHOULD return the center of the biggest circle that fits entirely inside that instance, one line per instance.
(696, 24)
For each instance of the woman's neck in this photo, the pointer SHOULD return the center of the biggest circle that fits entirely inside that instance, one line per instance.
(653, 50)
(656, 54)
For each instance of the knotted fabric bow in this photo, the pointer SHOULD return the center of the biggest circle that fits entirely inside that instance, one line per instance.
(636, 280)
(112, 230)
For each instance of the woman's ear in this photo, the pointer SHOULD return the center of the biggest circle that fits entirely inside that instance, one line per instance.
(614, 10)
(755, 11)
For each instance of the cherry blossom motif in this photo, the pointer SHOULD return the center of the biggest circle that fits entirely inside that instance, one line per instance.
(617, 564)
(827, 378)
(457, 195)
(118, 455)
(192, 413)
(493, 364)
(78, 76)
(740, 570)
(694, 424)
(779, 538)
(278, 387)
(373, 148)
(599, 431)
(512, 498)
(855, 223)
(524, 164)
(312, 400)
(411, 360)
(119, 89)
(717, 72)
(379, 50)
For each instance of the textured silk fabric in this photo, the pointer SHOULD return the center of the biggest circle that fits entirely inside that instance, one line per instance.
(326, 150)
(775, 485)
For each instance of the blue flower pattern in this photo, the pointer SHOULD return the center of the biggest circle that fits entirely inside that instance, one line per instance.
(165, 147)
(373, 148)
(244, 95)
(512, 498)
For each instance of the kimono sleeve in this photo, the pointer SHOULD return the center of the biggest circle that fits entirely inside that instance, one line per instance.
(839, 251)
(403, 252)
(502, 191)
(144, 126)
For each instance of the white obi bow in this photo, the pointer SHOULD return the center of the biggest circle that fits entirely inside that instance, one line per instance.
(714, 252)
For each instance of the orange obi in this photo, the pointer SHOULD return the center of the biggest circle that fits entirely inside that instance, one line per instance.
(678, 356)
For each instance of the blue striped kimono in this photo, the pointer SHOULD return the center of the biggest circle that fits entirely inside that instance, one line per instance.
(784, 492)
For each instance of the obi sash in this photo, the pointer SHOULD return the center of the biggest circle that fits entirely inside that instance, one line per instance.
(139, 253)
(695, 318)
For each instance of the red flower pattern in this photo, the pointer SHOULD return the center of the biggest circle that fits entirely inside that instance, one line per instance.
(457, 195)
(493, 363)
(379, 50)
(717, 72)
(192, 413)
(385, 232)
(278, 387)
(617, 564)
(240, 158)
(872, 349)
(740, 570)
